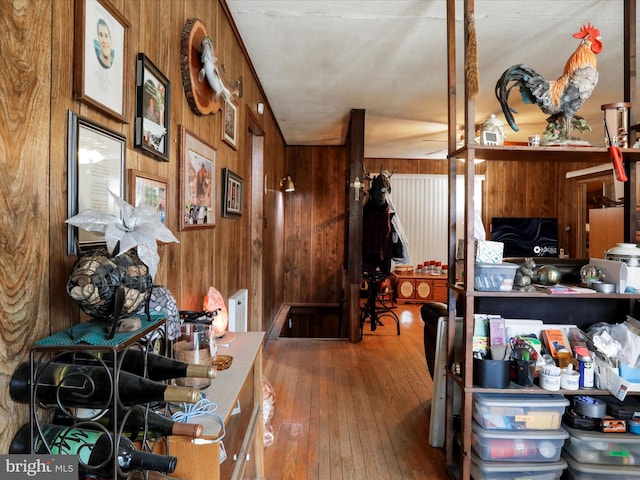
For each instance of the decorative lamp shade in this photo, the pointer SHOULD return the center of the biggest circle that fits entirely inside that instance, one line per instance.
(213, 302)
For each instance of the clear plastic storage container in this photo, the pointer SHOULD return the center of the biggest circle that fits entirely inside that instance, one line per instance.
(495, 276)
(524, 446)
(588, 471)
(515, 411)
(483, 470)
(603, 448)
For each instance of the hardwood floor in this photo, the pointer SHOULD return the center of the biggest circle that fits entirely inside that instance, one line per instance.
(353, 411)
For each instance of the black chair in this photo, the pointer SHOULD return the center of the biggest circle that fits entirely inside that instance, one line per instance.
(430, 312)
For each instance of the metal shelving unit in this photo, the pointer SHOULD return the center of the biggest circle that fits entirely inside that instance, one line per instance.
(458, 444)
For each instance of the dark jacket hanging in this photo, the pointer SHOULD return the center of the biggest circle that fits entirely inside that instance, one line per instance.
(376, 238)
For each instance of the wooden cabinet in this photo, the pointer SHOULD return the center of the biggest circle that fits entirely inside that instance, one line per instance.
(418, 287)
(459, 386)
(237, 393)
(606, 229)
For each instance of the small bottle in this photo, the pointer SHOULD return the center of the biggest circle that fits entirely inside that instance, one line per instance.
(136, 419)
(585, 367)
(91, 386)
(94, 449)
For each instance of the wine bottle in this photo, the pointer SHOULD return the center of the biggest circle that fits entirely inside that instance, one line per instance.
(159, 367)
(94, 449)
(91, 386)
(134, 419)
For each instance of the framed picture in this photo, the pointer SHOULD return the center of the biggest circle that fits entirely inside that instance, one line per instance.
(95, 163)
(197, 172)
(230, 124)
(153, 99)
(231, 194)
(146, 189)
(100, 57)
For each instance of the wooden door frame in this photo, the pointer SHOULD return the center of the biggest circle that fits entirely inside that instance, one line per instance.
(255, 158)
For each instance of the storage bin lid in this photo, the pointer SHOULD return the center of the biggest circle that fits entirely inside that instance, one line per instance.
(490, 466)
(548, 400)
(593, 437)
(560, 434)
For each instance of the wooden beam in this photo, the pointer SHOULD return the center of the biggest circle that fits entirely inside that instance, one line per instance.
(355, 160)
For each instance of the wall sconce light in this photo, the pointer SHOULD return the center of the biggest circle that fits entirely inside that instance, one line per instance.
(286, 184)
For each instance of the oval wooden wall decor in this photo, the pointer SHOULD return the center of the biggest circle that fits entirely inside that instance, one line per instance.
(200, 96)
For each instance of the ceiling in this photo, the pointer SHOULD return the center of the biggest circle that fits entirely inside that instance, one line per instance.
(319, 59)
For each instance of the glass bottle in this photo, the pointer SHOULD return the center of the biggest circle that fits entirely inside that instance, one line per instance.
(88, 385)
(159, 367)
(94, 449)
(133, 420)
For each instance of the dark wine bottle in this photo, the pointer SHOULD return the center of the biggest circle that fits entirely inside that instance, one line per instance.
(133, 361)
(91, 386)
(134, 419)
(94, 449)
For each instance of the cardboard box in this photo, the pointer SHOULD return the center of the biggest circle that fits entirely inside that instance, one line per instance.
(554, 340)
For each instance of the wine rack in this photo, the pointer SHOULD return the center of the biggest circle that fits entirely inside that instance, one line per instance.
(89, 339)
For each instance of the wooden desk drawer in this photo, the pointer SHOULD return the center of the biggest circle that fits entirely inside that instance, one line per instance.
(237, 427)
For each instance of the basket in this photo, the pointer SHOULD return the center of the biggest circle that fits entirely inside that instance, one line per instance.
(97, 275)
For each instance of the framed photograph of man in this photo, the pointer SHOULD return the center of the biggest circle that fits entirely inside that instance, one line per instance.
(230, 123)
(153, 99)
(197, 180)
(231, 194)
(100, 57)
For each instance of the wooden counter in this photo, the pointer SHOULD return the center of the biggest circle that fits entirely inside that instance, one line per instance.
(419, 287)
(240, 384)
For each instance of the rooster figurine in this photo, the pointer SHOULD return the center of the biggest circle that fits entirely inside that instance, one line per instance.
(560, 98)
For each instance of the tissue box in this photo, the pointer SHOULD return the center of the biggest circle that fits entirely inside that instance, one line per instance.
(488, 251)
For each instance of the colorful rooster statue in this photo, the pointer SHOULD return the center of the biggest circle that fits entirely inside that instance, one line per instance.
(560, 98)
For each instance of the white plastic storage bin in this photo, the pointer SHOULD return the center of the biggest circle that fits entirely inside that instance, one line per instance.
(588, 471)
(514, 411)
(483, 470)
(603, 448)
(495, 276)
(524, 446)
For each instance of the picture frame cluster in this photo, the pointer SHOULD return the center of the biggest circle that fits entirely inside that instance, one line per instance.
(102, 73)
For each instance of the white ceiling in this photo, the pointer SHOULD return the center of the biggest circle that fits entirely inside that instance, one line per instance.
(319, 59)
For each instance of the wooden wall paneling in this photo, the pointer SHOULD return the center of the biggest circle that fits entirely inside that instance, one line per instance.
(541, 201)
(62, 310)
(170, 254)
(24, 223)
(328, 226)
(34, 302)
